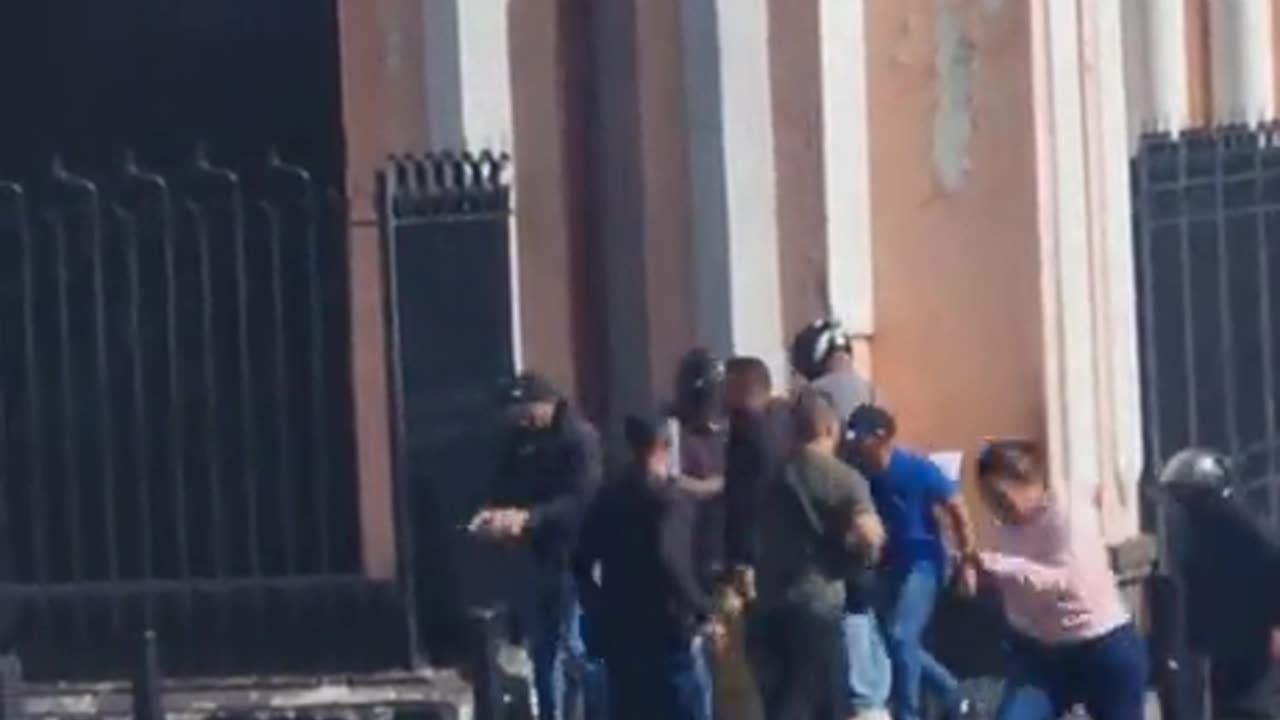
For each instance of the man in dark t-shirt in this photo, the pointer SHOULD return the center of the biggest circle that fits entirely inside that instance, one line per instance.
(644, 604)
(821, 521)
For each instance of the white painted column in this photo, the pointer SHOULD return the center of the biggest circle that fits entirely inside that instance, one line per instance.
(1154, 42)
(1090, 346)
(1068, 334)
(1115, 295)
(846, 163)
(1241, 49)
(729, 105)
(469, 101)
(468, 71)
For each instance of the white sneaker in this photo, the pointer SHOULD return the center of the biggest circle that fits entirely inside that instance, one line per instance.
(872, 714)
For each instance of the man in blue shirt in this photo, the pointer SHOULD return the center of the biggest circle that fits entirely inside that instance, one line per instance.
(908, 490)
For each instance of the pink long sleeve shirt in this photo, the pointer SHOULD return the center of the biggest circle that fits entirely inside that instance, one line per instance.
(1055, 576)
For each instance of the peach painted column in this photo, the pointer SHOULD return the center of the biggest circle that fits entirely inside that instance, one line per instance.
(382, 92)
(1002, 257)
(551, 255)
(955, 253)
(640, 167)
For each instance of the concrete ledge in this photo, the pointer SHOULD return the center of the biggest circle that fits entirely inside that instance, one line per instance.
(426, 695)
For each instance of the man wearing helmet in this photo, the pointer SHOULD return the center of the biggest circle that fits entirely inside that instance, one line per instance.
(698, 466)
(822, 354)
(1227, 566)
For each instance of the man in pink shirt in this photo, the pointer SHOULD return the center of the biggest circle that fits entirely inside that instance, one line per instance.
(1072, 640)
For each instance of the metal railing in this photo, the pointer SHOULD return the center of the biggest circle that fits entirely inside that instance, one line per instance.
(176, 447)
(1207, 234)
(445, 229)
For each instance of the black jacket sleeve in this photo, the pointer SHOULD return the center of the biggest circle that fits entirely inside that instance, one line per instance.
(676, 551)
(504, 489)
(595, 533)
(740, 489)
(583, 472)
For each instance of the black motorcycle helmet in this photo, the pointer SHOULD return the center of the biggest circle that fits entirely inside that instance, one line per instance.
(813, 346)
(1195, 471)
(699, 378)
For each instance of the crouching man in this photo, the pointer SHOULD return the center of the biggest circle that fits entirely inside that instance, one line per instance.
(551, 466)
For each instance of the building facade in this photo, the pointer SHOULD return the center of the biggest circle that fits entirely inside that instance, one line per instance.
(949, 177)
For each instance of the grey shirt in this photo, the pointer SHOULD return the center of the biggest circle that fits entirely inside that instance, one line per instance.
(847, 390)
(791, 571)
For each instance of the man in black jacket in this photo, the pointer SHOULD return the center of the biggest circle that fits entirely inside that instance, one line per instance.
(644, 603)
(550, 468)
(1227, 567)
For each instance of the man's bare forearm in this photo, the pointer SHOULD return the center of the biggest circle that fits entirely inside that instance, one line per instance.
(868, 534)
(702, 488)
(962, 526)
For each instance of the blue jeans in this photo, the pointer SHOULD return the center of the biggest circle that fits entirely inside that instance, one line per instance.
(910, 594)
(1108, 675)
(702, 672)
(567, 684)
(870, 677)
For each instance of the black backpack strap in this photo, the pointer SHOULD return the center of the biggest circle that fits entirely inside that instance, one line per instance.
(806, 505)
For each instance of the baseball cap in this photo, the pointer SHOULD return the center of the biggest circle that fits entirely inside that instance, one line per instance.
(529, 387)
(868, 420)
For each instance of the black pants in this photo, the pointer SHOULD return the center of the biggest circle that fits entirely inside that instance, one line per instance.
(799, 657)
(652, 681)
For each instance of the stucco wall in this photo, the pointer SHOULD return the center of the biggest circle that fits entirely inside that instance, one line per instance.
(958, 341)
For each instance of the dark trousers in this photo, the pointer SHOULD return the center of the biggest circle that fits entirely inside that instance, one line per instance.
(801, 662)
(648, 681)
(1108, 675)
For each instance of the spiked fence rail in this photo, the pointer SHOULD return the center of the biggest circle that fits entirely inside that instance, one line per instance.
(176, 430)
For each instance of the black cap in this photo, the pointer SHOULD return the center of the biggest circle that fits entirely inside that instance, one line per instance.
(529, 387)
(867, 420)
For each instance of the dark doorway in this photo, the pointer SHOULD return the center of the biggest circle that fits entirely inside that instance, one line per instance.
(196, 478)
(86, 78)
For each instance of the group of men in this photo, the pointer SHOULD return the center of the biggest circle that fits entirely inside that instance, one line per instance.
(753, 555)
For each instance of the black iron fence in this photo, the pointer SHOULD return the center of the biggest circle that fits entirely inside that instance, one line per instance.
(447, 246)
(1207, 233)
(175, 422)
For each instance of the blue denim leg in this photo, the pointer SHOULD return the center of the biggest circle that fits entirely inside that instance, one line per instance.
(912, 595)
(870, 676)
(1024, 700)
(702, 671)
(562, 675)
(1114, 673)
(689, 686)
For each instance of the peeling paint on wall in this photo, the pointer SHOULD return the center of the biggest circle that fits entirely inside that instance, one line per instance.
(954, 61)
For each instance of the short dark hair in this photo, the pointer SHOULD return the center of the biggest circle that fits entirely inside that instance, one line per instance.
(643, 433)
(810, 412)
(1013, 458)
(752, 368)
